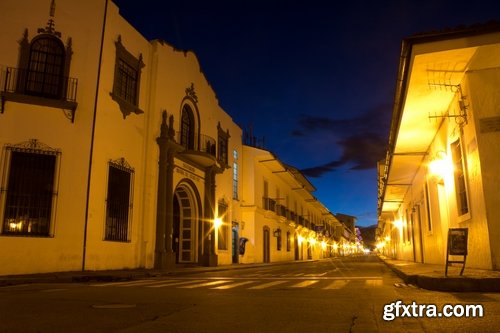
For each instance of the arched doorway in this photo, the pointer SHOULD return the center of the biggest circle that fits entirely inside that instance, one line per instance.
(185, 226)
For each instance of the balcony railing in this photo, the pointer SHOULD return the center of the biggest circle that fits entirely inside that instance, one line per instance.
(269, 204)
(40, 88)
(202, 143)
(42, 84)
(282, 211)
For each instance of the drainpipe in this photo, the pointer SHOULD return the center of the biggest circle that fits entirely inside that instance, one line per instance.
(92, 136)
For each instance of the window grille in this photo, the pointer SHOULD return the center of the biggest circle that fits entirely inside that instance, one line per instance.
(127, 80)
(29, 191)
(46, 68)
(118, 202)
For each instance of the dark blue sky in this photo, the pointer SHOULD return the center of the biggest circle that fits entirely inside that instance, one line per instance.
(315, 78)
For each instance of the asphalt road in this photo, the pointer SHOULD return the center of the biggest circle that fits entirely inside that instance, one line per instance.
(333, 295)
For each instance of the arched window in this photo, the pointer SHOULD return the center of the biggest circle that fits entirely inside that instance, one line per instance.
(187, 127)
(46, 67)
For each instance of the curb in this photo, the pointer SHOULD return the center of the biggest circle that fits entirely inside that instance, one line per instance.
(449, 284)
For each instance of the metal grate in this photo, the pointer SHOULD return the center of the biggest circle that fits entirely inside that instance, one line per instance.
(118, 203)
(29, 194)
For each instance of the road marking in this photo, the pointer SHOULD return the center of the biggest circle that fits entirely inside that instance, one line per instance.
(267, 285)
(173, 283)
(374, 283)
(337, 284)
(237, 284)
(316, 274)
(300, 274)
(305, 283)
(125, 283)
(52, 290)
(205, 284)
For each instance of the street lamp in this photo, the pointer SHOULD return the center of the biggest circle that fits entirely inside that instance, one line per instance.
(217, 222)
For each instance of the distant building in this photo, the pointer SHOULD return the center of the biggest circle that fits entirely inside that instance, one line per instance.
(289, 223)
(441, 169)
(116, 154)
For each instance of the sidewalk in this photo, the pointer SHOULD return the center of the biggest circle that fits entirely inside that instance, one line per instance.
(429, 276)
(125, 275)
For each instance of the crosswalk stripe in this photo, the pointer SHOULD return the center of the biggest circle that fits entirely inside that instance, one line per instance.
(338, 284)
(206, 284)
(125, 283)
(173, 283)
(305, 283)
(373, 283)
(269, 284)
(237, 284)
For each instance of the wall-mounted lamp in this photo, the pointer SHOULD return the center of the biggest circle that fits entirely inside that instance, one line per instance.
(277, 232)
(398, 224)
(217, 222)
(440, 166)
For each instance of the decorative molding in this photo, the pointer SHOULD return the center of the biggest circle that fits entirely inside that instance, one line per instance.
(33, 146)
(122, 164)
(50, 27)
(191, 93)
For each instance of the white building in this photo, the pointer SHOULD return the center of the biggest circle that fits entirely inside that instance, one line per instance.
(93, 118)
(289, 223)
(447, 115)
(116, 154)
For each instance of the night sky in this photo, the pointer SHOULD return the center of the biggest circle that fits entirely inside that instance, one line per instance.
(314, 79)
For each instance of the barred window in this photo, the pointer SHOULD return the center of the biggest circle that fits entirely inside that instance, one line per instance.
(127, 80)
(288, 242)
(223, 140)
(235, 174)
(119, 201)
(187, 127)
(29, 191)
(46, 67)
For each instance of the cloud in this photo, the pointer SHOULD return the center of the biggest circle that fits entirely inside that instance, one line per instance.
(362, 140)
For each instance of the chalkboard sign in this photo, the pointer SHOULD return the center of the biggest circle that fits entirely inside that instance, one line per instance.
(457, 246)
(457, 242)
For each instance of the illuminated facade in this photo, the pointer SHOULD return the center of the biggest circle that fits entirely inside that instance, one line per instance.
(115, 153)
(289, 223)
(441, 169)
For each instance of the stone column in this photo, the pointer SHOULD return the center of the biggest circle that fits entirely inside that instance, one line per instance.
(209, 254)
(164, 256)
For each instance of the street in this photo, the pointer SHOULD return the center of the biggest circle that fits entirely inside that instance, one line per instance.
(332, 295)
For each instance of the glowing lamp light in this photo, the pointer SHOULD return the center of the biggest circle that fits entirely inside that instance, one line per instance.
(217, 222)
(335, 246)
(323, 245)
(398, 224)
(300, 239)
(312, 241)
(440, 166)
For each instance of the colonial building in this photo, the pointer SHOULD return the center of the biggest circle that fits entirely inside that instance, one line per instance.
(288, 222)
(115, 151)
(441, 169)
(116, 154)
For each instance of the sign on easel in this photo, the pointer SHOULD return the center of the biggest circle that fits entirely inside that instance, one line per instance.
(457, 246)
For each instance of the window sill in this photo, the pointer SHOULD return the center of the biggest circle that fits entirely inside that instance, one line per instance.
(125, 107)
(69, 107)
